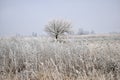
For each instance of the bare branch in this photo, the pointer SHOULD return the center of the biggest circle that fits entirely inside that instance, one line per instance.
(56, 28)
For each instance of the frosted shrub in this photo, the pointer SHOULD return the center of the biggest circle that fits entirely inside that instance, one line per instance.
(38, 58)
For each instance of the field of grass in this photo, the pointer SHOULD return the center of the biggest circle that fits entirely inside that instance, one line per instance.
(73, 58)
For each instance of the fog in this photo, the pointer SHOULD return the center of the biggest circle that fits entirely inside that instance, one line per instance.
(27, 16)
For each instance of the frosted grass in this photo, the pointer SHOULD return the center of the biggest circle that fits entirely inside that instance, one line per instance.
(41, 58)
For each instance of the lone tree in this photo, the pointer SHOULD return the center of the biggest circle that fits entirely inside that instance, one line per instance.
(56, 28)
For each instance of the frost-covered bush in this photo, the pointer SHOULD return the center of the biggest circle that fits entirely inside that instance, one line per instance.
(38, 58)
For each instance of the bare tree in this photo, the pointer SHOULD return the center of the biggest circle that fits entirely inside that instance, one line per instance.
(92, 32)
(82, 32)
(56, 28)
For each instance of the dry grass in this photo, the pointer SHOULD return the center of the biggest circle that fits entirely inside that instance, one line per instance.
(36, 58)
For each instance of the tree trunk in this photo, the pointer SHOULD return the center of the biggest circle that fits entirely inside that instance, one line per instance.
(56, 36)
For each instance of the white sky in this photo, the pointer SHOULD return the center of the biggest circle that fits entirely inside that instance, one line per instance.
(27, 16)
